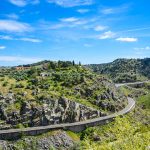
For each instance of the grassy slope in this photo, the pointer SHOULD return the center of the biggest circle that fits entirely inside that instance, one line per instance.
(145, 101)
(125, 133)
(132, 132)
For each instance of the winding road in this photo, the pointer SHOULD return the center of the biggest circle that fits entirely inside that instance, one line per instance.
(76, 127)
(131, 83)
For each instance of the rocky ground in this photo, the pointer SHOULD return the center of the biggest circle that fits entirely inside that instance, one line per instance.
(56, 140)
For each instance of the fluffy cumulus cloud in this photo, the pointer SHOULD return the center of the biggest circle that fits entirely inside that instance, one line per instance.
(2, 47)
(71, 3)
(107, 35)
(14, 26)
(22, 3)
(127, 39)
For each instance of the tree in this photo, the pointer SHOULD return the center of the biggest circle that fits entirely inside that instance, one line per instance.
(52, 65)
(73, 63)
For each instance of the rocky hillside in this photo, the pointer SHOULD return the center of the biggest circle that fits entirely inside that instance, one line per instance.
(54, 92)
(131, 131)
(52, 140)
(50, 112)
(124, 70)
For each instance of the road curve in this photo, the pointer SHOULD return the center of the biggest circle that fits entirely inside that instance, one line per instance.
(76, 127)
(130, 83)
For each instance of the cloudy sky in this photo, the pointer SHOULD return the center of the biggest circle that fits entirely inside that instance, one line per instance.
(90, 31)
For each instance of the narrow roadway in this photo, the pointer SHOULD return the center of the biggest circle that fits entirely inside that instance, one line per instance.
(77, 126)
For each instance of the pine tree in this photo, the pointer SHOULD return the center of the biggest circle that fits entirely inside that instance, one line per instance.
(79, 63)
(73, 63)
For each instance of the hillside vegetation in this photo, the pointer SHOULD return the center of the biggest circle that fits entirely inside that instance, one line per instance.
(55, 92)
(130, 132)
(124, 70)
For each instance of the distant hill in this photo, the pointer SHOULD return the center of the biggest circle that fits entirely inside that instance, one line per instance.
(124, 70)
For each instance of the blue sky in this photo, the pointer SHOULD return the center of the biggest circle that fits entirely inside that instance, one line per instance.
(90, 31)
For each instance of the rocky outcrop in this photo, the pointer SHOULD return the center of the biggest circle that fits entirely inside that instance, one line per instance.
(58, 140)
(50, 112)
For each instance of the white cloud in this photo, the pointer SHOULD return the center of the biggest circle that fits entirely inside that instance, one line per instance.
(26, 39)
(135, 29)
(19, 59)
(108, 11)
(142, 51)
(2, 47)
(71, 3)
(142, 48)
(107, 35)
(127, 39)
(87, 45)
(12, 16)
(82, 11)
(30, 40)
(100, 28)
(71, 19)
(147, 48)
(71, 22)
(5, 37)
(114, 10)
(22, 3)
(79, 22)
(14, 26)
(56, 26)
(34, 2)
(65, 23)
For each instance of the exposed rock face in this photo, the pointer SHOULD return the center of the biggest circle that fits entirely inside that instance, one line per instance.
(50, 112)
(63, 110)
(59, 140)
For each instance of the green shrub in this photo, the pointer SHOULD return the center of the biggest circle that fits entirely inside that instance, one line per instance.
(5, 83)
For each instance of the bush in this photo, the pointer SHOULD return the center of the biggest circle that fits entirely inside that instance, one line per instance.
(19, 85)
(19, 126)
(5, 83)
